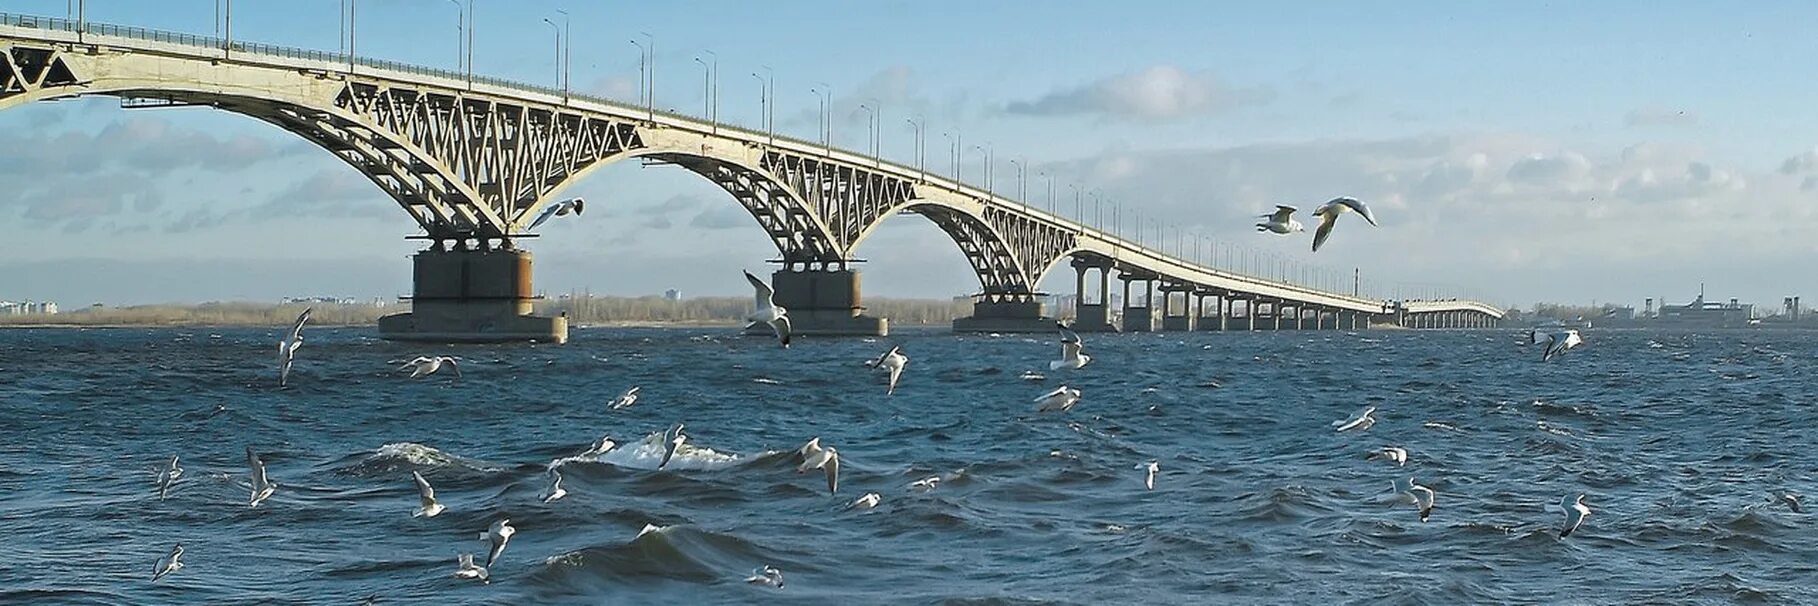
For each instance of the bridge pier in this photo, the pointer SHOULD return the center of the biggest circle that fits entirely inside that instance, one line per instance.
(1094, 316)
(1221, 308)
(823, 300)
(1005, 313)
(472, 296)
(1139, 319)
(1182, 320)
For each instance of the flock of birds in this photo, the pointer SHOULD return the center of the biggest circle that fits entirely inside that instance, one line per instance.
(1282, 221)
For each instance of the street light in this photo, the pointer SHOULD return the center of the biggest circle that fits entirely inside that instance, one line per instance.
(921, 152)
(1050, 178)
(826, 98)
(460, 33)
(558, 49)
(767, 87)
(646, 72)
(710, 90)
(989, 156)
(1022, 182)
(870, 127)
(953, 142)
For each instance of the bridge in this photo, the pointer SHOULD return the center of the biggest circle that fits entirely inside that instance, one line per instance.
(474, 159)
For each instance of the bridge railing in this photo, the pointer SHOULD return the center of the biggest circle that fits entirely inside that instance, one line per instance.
(1078, 224)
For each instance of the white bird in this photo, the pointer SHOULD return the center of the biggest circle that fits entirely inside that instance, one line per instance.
(1393, 454)
(893, 361)
(169, 563)
(262, 487)
(870, 500)
(816, 457)
(498, 536)
(555, 489)
(287, 349)
(1420, 495)
(558, 209)
(168, 477)
(1281, 221)
(626, 399)
(600, 447)
(766, 310)
(1557, 343)
(1061, 399)
(927, 483)
(426, 497)
(1328, 216)
(1149, 477)
(671, 445)
(1072, 354)
(765, 575)
(424, 366)
(1575, 511)
(470, 570)
(1791, 500)
(1363, 420)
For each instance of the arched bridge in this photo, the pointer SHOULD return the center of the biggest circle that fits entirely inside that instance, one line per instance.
(474, 159)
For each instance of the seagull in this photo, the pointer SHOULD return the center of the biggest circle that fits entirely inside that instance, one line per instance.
(673, 444)
(1061, 399)
(262, 487)
(427, 496)
(1791, 500)
(599, 447)
(765, 575)
(816, 457)
(287, 349)
(1071, 354)
(498, 535)
(1363, 420)
(1420, 495)
(626, 399)
(1328, 216)
(555, 489)
(1149, 478)
(894, 361)
(559, 209)
(169, 563)
(1557, 343)
(927, 483)
(469, 570)
(1394, 454)
(424, 366)
(168, 477)
(870, 500)
(1281, 221)
(767, 311)
(1574, 511)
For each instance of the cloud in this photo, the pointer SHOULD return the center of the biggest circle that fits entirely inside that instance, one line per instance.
(1655, 116)
(1162, 92)
(721, 217)
(138, 143)
(674, 204)
(1799, 164)
(1544, 169)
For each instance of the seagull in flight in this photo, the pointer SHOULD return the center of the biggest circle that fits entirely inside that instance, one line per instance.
(893, 361)
(870, 500)
(816, 457)
(287, 349)
(1392, 454)
(1420, 495)
(262, 487)
(498, 535)
(671, 445)
(1149, 476)
(766, 575)
(1072, 356)
(426, 497)
(767, 311)
(555, 489)
(1061, 399)
(558, 209)
(470, 570)
(169, 563)
(1575, 512)
(167, 477)
(1328, 216)
(626, 399)
(1557, 343)
(1361, 421)
(927, 483)
(424, 366)
(1281, 221)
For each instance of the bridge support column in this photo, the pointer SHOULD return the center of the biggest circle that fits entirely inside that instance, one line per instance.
(472, 296)
(1005, 313)
(1139, 319)
(1300, 316)
(1173, 321)
(1216, 321)
(823, 300)
(1092, 315)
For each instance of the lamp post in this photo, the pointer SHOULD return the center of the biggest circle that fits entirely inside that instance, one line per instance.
(989, 156)
(953, 142)
(460, 34)
(870, 127)
(767, 88)
(558, 49)
(1022, 182)
(921, 153)
(1050, 178)
(826, 98)
(710, 90)
(352, 28)
(645, 71)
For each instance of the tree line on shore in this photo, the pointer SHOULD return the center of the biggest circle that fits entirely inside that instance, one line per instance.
(580, 310)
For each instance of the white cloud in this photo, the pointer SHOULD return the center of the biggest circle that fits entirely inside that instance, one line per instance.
(1162, 92)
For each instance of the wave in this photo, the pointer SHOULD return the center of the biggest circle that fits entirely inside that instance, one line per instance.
(407, 456)
(680, 552)
(647, 454)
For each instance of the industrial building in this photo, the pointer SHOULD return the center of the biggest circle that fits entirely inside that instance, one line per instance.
(26, 308)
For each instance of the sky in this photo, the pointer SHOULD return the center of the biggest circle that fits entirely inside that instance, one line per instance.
(1518, 152)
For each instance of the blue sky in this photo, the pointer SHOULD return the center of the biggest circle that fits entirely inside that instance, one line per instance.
(1529, 152)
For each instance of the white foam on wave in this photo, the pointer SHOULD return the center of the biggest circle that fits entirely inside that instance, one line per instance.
(648, 453)
(425, 456)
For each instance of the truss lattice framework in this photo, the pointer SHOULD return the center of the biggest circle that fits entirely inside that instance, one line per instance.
(24, 70)
(846, 198)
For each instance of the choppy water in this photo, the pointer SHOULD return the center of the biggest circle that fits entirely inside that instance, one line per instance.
(1677, 439)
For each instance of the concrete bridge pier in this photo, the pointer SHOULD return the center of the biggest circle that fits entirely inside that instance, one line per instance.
(1005, 313)
(823, 300)
(478, 295)
(1092, 314)
(1177, 318)
(1139, 319)
(1216, 321)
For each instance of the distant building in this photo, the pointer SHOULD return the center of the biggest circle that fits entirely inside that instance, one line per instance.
(23, 308)
(1707, 313)
(326, 300)
(672, 295)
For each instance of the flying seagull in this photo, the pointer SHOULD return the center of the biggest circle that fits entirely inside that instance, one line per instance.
(1149, 476)
(1061, 399)
(1420, 495)
(870, 500)
(672, 444)
(168, 477)
(1575, 511)
(1281, 221)
(169, 563)
(816, 457)
(287, 349)
(765, 575)
(767, 311)
(627, 399)
(262, 487)
(1328, 216)
(426, 496)
(1072, 356)
(1557, 343)
(1393, 454)
(927, 483)
(424, 366)
(469, 570)
(893, 361)
(1361, 421)
(555, 490)
(498, 536)
(558, 209)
